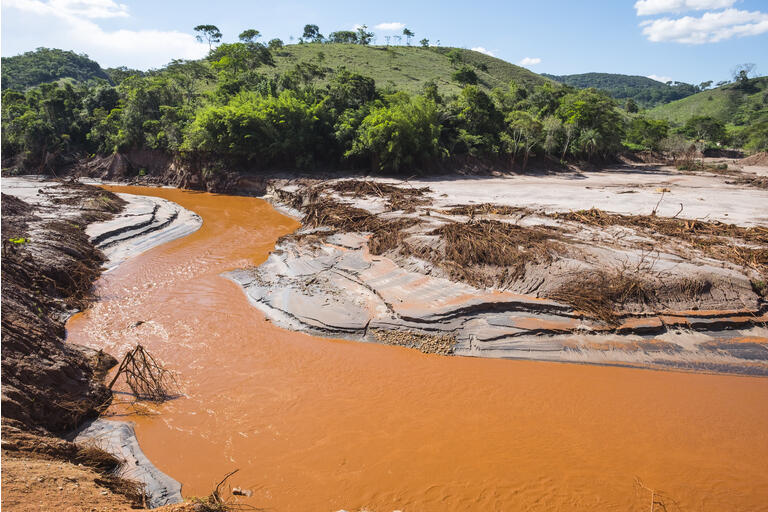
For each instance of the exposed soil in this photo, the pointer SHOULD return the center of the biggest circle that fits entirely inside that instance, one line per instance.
(48, 268)
(50, 386)
(149, 167)
(756, 159)
(487, 245)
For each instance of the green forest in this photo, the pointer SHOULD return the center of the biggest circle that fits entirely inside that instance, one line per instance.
(643, 91)
(312, 106)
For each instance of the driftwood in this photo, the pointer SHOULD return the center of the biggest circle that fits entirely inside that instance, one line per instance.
(660, 502)
(146, 377)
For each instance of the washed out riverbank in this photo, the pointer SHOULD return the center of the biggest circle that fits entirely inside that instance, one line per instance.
(325, 424)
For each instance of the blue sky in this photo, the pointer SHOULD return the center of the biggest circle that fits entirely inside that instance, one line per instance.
(685, 40)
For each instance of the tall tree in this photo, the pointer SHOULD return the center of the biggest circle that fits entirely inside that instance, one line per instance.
(343, 36)
(249, 36)
(408, 35)
(209, 33)
(363, 36)
(743, 72)
(312, 33)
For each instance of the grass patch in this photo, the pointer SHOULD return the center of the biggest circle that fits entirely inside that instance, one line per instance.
(404, 68)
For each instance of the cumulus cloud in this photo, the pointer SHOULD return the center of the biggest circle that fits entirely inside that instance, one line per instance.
(711, 27)
(69, 24)
(650, 7)
(390, 26)
(662, 79)
(529, 61)
(483, 50)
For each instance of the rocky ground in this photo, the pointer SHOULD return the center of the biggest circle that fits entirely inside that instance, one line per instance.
(639, 265)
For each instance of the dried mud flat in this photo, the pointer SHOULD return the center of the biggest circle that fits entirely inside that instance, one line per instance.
(642, 266)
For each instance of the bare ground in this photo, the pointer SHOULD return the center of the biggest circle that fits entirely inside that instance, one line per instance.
(641, 265)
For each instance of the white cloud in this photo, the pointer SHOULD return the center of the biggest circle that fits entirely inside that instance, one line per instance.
(390, 26)
(529, 61)
(711, 27)
(650, 7)
(91, 9)
(662, 79)
(483, 50)
(68, 25)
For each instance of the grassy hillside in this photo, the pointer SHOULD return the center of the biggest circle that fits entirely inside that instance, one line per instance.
(47, 65)
(731, 104)
(404, 67)
(645, 91)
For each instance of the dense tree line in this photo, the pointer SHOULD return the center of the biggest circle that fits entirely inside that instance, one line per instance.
(48, 65)
(644, 92)
(226, 107)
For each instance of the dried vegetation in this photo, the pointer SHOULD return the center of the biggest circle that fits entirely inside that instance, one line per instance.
(746, 247)
(147, 378)
(398, 198)
(386, 234)
(489, 252)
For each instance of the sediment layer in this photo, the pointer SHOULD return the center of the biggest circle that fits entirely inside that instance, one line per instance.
(375, 257)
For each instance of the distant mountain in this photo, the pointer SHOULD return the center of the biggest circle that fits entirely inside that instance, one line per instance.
(48, 65)
(645, 91)
(735, 103)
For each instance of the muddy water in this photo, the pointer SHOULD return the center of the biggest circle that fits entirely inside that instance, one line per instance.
(317, 424)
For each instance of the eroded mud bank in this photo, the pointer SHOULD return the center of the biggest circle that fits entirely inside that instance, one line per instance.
(68, 233)
(641, 267)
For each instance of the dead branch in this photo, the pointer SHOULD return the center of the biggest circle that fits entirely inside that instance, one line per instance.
(146, 377)
(216, 494)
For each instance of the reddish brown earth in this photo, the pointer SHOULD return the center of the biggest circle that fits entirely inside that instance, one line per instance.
(319, 424)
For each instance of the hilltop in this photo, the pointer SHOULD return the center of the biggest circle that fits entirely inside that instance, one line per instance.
(733, 103)
(646, 92)
(405, 68)
(402, 68)
(48, 65)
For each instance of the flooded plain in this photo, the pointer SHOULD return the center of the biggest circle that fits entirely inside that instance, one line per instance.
(319, 424)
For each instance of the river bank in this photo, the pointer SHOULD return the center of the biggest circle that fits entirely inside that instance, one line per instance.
(58, 237)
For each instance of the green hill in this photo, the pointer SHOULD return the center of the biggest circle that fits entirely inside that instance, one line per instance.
(48, 65)
(733, 104)
(645, 91)
(405, 68)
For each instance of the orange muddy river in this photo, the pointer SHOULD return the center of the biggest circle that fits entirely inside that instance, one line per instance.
(316, 424)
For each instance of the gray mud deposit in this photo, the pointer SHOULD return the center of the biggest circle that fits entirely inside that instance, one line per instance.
(119, 439)
(702, 314)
